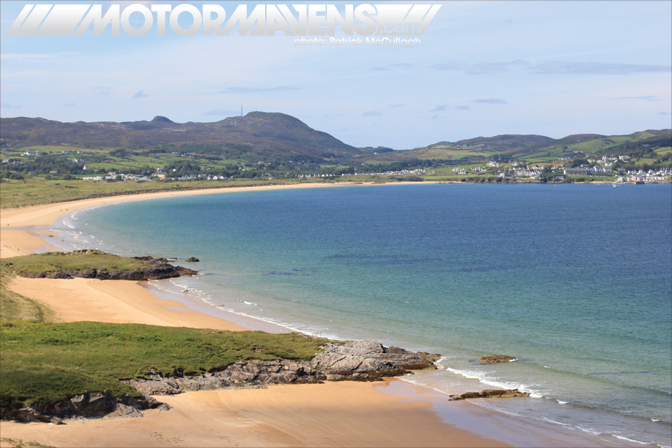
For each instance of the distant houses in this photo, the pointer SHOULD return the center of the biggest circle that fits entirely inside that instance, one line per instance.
(587, 170)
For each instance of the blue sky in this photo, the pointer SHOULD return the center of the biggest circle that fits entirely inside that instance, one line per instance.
(482, 69)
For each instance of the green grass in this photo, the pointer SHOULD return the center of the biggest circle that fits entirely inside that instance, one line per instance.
(37, 190)
(43, 363)
(14, 306)
(600, 144)
(18, 443)
(664, 150)
(52, 262)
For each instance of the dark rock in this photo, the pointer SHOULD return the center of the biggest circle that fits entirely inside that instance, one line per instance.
(89, 273)
(87, 405)
(491, 393)
(29, 415)
(192, 260)
(94, 404)
(433, 358)
(496, 358)
(123, 411)
(102, 275)
(467, 395)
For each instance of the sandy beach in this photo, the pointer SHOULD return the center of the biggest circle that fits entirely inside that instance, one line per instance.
(113, 301)
(23, 242)
(332, 414)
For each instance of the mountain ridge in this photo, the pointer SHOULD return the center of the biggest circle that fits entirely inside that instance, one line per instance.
(276, 136)
(259, 133)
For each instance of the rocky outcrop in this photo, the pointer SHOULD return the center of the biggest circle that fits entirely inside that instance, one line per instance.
(368, 360)
(496, 358)
(491, 393)
(89, 405)
(365, 360)
(157, 269)
(192, 260)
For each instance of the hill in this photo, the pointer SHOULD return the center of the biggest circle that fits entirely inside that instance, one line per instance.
(256, 135)
(533, 148)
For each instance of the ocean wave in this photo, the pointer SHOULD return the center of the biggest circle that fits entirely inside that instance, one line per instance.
(635, 441)
(484, 378)
(411, 380)
(595, 432)
(178, 289)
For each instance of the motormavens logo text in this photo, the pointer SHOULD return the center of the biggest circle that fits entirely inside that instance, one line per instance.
(385, 22)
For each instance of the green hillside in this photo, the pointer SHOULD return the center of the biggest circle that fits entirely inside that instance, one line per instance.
(44, 156)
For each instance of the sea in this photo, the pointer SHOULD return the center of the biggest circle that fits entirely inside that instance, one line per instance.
(574, 281)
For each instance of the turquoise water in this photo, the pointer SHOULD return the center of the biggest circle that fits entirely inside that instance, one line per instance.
(575, 281)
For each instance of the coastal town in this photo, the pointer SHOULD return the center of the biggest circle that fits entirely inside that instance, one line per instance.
(581, 167)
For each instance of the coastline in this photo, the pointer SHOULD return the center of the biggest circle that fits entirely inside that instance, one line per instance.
(136, 302)
(160, 311)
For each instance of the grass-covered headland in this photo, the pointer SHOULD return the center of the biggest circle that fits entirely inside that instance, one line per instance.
(80, 260)
(42, 364)
(91, 263)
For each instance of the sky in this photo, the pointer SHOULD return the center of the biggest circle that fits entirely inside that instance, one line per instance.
(481, 69)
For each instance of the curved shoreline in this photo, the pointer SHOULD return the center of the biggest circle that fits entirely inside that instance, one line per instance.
(124, 302)
(47, 215)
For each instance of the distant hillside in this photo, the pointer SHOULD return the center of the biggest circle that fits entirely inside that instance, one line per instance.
(530, 147)
(256, 134)
(283, 139)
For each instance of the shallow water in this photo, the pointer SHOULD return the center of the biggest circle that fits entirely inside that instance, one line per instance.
(573, 280)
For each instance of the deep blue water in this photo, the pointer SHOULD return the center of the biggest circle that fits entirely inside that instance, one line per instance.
(575, 281)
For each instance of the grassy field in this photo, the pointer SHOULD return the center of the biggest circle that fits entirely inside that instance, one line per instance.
(664, 151)
(44, 363)
(37, 190)
(16, 307)
(438, 152)
(52, 262)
